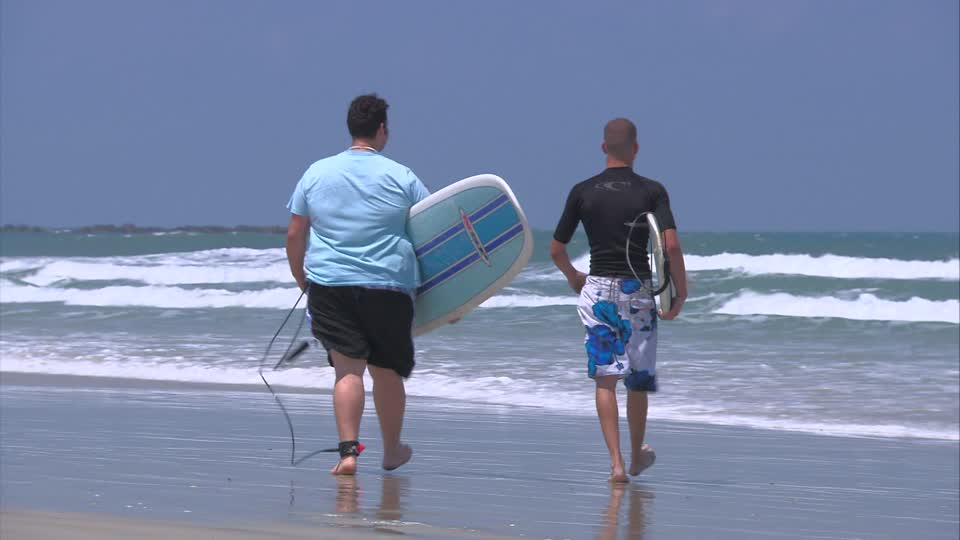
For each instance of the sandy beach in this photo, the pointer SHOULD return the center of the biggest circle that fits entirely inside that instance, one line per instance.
(77, 526)
(100, 458)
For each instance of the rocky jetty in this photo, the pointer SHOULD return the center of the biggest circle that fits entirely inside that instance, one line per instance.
(129, 228)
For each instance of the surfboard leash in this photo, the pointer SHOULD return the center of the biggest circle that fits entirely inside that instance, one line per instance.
(666, 261)
(288, 356)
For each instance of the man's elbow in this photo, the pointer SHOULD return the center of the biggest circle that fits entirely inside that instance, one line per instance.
(557, 249)
(297, 230)
(293, 235)
(671, 243)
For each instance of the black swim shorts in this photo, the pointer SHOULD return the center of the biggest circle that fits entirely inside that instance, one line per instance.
(360, 322)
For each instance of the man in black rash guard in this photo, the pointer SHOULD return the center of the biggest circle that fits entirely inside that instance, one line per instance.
(617, 306)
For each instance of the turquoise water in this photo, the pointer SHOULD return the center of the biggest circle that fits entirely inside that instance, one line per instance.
(829, 333)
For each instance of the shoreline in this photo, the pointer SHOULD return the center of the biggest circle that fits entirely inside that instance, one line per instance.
(13, 378)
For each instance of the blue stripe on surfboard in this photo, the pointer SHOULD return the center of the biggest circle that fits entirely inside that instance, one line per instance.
(445, 298)
(443, 256)
(439, 239)
(479, 214)
(487, 228)
(506, 237)
(488, 208)
(449, 272)
(447, 234)
(425, 227)
(471, 259)
(496, 223)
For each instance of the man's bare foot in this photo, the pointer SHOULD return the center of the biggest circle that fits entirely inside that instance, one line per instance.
(643, 461)
(398, 457)
(618, 475)
(346, 466)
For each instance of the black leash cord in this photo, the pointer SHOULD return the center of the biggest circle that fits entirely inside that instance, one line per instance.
(287, 357)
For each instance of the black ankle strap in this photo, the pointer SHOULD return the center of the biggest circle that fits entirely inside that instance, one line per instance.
(349, 448)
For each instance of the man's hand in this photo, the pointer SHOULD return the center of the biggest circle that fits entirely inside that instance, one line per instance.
(577, 281)
(678, 273)
(675, 308)
(302, 283)
(576, 278)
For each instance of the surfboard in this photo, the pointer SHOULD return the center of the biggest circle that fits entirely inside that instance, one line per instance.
(471, 239)
(661, 265)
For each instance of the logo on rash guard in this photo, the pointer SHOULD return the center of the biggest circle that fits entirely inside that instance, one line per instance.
(614, 185)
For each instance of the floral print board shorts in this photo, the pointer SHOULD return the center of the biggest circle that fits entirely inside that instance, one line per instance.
(620, 317)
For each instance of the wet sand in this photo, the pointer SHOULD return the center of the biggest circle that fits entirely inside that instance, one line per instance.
(95, 458)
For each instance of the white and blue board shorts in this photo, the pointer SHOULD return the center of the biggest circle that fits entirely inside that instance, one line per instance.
(620, 317)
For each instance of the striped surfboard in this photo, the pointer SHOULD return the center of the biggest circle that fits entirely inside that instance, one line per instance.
(471, 239)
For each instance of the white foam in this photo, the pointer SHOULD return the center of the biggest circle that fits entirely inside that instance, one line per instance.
(230, 265)
(164, 274)
(246, 265)
(151, 296)
(828, 266)
(837, 429)
(709, 296)
(529, 300)
(20, 264)
(865, 307)
(493, 390)
(582, 263)
(178, 297)
(141, 369)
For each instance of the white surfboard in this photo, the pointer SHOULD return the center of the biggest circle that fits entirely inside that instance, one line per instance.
(471, 239)
(661, 265)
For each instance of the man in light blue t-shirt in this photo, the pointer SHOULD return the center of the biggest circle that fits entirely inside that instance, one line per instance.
(347, 247)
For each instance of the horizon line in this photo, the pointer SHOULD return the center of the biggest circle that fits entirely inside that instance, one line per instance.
(130, 228)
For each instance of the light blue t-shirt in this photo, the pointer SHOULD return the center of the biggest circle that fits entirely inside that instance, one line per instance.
(357, 202)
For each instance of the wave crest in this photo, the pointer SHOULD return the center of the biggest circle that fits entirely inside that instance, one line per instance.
(865, 307)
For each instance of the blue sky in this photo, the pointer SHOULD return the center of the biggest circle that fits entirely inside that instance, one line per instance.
(756, 115)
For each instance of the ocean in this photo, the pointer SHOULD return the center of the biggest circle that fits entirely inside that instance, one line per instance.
(835, 334)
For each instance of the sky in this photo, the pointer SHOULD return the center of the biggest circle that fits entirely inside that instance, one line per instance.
(756, 115)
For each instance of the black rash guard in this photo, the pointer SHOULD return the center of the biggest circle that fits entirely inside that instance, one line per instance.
(607, 204)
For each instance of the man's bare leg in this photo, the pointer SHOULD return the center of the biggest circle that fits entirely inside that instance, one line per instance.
(390, 399)
(641, 455)
(348, 401)
(609, 415)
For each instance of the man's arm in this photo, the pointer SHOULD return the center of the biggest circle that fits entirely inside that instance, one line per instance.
(297, 247)
(678, 272)
(558, 252)
(567, 225)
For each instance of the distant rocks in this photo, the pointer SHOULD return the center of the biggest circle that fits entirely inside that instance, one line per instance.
(23, 228)
(129, 228)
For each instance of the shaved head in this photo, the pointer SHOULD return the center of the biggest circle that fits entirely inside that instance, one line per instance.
(620, 139)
